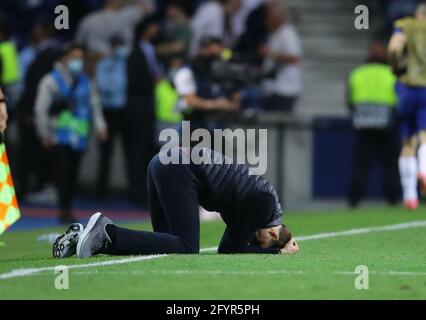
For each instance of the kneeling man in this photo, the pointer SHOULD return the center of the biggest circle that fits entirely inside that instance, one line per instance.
(248, 205)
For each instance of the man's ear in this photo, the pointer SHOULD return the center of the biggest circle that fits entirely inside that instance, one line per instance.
(273, 234)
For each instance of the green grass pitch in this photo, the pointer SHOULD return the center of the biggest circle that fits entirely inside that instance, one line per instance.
(324, 269)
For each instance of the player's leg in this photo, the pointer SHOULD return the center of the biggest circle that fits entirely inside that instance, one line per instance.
(422, 161)
(421, 124)
(408, 172)
(407, 114)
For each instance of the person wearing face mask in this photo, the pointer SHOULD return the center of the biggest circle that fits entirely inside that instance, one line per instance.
(111, 78)
(67, 103)
(200, 96)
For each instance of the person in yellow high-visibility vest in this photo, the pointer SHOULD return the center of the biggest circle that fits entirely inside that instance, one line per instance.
(9, 64)
(372, 100)
(166, 99)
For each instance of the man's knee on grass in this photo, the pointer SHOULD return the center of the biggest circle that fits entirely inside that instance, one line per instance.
(186, 247)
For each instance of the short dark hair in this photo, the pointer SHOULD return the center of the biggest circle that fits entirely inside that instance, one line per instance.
(284, 236)
(143, 25)
(181, 4)
(5, 30)
(117, 40)
(209, 40)
(45, 25)
(71, 47)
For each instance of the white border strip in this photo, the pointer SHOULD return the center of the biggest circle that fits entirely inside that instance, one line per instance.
(27, 272)
(246, 272)
(408, 225)
(351, 232)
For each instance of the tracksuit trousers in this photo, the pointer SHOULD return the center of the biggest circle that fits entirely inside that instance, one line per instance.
(173, 202)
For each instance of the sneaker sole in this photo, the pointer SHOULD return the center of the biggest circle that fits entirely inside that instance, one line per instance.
(58, 253)
(83, 236)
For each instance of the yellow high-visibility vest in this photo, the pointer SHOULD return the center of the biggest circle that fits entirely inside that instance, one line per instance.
(9, 63)
(372, 84)
(166, 99)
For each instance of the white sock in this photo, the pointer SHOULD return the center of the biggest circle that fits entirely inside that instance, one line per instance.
(408, 174)
(422, 159)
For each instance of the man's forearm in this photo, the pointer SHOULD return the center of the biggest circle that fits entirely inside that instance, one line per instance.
(198, 103)
(396, 50)
(284, 58)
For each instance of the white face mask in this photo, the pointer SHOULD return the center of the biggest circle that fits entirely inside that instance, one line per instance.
(122, 51)
(75, 66)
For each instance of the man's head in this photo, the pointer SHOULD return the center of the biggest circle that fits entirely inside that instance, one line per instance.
(378, 52)
(176, 10)
(147, 29)
(276, 14)
(114, 4)
(119, 48)
(211, 47)
(73, 58)
(278, 237)
(42, 30)
(4, 29)
(231, 6)
(420, 13)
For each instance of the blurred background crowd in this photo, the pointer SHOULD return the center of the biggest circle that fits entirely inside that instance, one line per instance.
(129, 68)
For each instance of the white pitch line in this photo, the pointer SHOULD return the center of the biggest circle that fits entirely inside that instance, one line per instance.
(242, 272)
(350, 232)
(26, 272)
(386, 273)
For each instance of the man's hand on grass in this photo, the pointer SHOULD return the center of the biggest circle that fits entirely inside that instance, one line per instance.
(291, 247)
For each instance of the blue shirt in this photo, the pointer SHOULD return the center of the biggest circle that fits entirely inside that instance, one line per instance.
(149, 52)
(111, 77)
(26, 57)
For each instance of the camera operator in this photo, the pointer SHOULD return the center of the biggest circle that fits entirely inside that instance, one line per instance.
(201, 95)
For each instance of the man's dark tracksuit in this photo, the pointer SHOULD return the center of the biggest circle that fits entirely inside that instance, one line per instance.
(246, 203)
